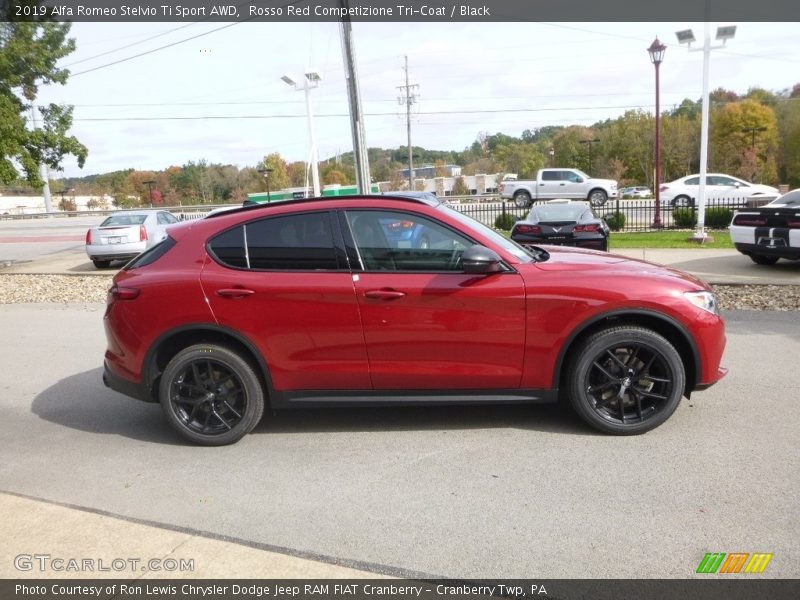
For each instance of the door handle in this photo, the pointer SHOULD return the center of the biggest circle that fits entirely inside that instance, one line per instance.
(384, 294)
(563, 184)
(235, 292)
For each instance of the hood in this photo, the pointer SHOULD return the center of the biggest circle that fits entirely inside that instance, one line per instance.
(606, 266)
(610, 182)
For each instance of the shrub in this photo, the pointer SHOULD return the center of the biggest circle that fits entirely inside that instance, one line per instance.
(505, 221)
(718, 217)
(616, 220)
(684, 218)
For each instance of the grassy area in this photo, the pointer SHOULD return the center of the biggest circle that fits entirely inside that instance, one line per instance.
(667, 239)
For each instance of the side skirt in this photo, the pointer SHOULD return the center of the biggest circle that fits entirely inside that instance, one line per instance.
(346, 398)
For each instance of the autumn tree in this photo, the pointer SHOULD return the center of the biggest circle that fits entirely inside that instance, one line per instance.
(29, 52)
(278, 177)
(736, 128)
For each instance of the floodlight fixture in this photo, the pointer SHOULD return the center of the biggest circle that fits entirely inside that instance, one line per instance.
(313, 76)
(728, 32)
(685, 36)
(288, 79)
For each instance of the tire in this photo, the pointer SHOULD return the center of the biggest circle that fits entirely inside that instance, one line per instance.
(636, 361)
(211, 395)
(761, 259)
(681, 201)
(522, 199)
(101, 264)
(597, 197)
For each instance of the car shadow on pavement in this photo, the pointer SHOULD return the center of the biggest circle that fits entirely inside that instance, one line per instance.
(83, 403)
(549, 418)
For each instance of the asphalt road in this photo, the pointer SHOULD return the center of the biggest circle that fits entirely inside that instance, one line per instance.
(520, 491)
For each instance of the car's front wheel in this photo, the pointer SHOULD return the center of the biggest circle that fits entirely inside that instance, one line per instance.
(597, 197)
(625, 380)
(761, 259)
(522, 199)
(211, 395)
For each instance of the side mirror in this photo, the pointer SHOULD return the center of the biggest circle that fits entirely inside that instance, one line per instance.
(481, 260)
(579, 179)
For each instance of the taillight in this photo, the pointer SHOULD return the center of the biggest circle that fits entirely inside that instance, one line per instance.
(528, 229)
(750, 221)
(88, 237)
(590, 227)
(142, 233)
(123, 293)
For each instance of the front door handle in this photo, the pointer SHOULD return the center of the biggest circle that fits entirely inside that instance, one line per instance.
(235, 293)
(384, 294)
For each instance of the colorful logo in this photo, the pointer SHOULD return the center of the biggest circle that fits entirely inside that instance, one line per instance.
(735, 562)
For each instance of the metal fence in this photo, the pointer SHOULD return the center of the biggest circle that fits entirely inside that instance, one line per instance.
(639, 214)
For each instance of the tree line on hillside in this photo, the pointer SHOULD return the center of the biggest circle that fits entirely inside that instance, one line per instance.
(755, 136)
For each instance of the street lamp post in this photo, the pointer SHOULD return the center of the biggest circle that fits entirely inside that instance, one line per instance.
(552, 157)
(310, 81)
(265, 172)
(589, 143)
(687, 37)
(656, 51)
(149, 190)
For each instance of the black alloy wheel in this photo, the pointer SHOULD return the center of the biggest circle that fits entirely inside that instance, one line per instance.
(626, 380)
(211, 395)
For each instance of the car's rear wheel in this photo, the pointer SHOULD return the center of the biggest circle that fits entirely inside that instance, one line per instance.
(761, 259)
(211, 395)
(625, 380)
(681, 201)
(597, 197)
(101, 264)
(522, 199)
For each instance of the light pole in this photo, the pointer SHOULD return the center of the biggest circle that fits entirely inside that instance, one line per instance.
(589, 143)
(265, 172)
(310, 81)
(552, 156)
(149, 185)
(656, 51)
(687, 37)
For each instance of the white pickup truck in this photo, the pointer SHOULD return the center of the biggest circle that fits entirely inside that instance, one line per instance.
(559, 183)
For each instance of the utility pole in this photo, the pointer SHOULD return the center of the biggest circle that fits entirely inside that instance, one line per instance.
(360, 156)
(408, 98)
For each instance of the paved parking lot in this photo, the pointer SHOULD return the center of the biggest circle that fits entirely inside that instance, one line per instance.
(515, 491)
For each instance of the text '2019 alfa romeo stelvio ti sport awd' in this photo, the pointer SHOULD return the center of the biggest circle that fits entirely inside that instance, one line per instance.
(322, 302)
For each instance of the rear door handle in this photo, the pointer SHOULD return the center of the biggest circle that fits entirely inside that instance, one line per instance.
(235, 292)
(384, 294)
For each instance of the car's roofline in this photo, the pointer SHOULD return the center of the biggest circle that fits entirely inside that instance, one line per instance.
(300, 201)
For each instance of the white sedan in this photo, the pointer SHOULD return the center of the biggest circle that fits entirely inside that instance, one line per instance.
(719, 187)
(125, 235)
(770, 232)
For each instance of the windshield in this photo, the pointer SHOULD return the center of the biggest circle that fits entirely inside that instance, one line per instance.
(499, 239)
(557, 212)
(790, 199)
(124, 220)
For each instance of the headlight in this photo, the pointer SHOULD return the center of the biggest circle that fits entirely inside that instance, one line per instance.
(705, 300)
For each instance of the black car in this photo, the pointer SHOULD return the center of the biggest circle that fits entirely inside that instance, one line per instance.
(562, 223)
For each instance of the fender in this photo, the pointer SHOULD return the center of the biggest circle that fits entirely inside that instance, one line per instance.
(622, 312)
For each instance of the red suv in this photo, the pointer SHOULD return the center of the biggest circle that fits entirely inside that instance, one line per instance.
(322, 302)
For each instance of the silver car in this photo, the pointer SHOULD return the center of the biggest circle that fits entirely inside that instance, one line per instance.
(125, 235)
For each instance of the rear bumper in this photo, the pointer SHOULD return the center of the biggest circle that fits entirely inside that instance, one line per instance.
(721, 372)
(115, 251)
(789, 252)
(124, 386)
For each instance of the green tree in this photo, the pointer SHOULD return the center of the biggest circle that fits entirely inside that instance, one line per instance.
(278, 177)
(29, 52)
(731, 137)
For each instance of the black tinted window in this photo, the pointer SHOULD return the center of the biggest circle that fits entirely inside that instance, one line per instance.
(295, 242)
(228, 247)
(551, 176)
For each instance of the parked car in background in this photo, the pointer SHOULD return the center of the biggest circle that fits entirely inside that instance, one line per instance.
(125, 235)
(771, 232)
(564, 223)
(683, 191)
(308, 303)
(550, 184)
(637, 191)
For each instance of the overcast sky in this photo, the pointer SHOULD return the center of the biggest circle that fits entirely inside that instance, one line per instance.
(495, 77)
